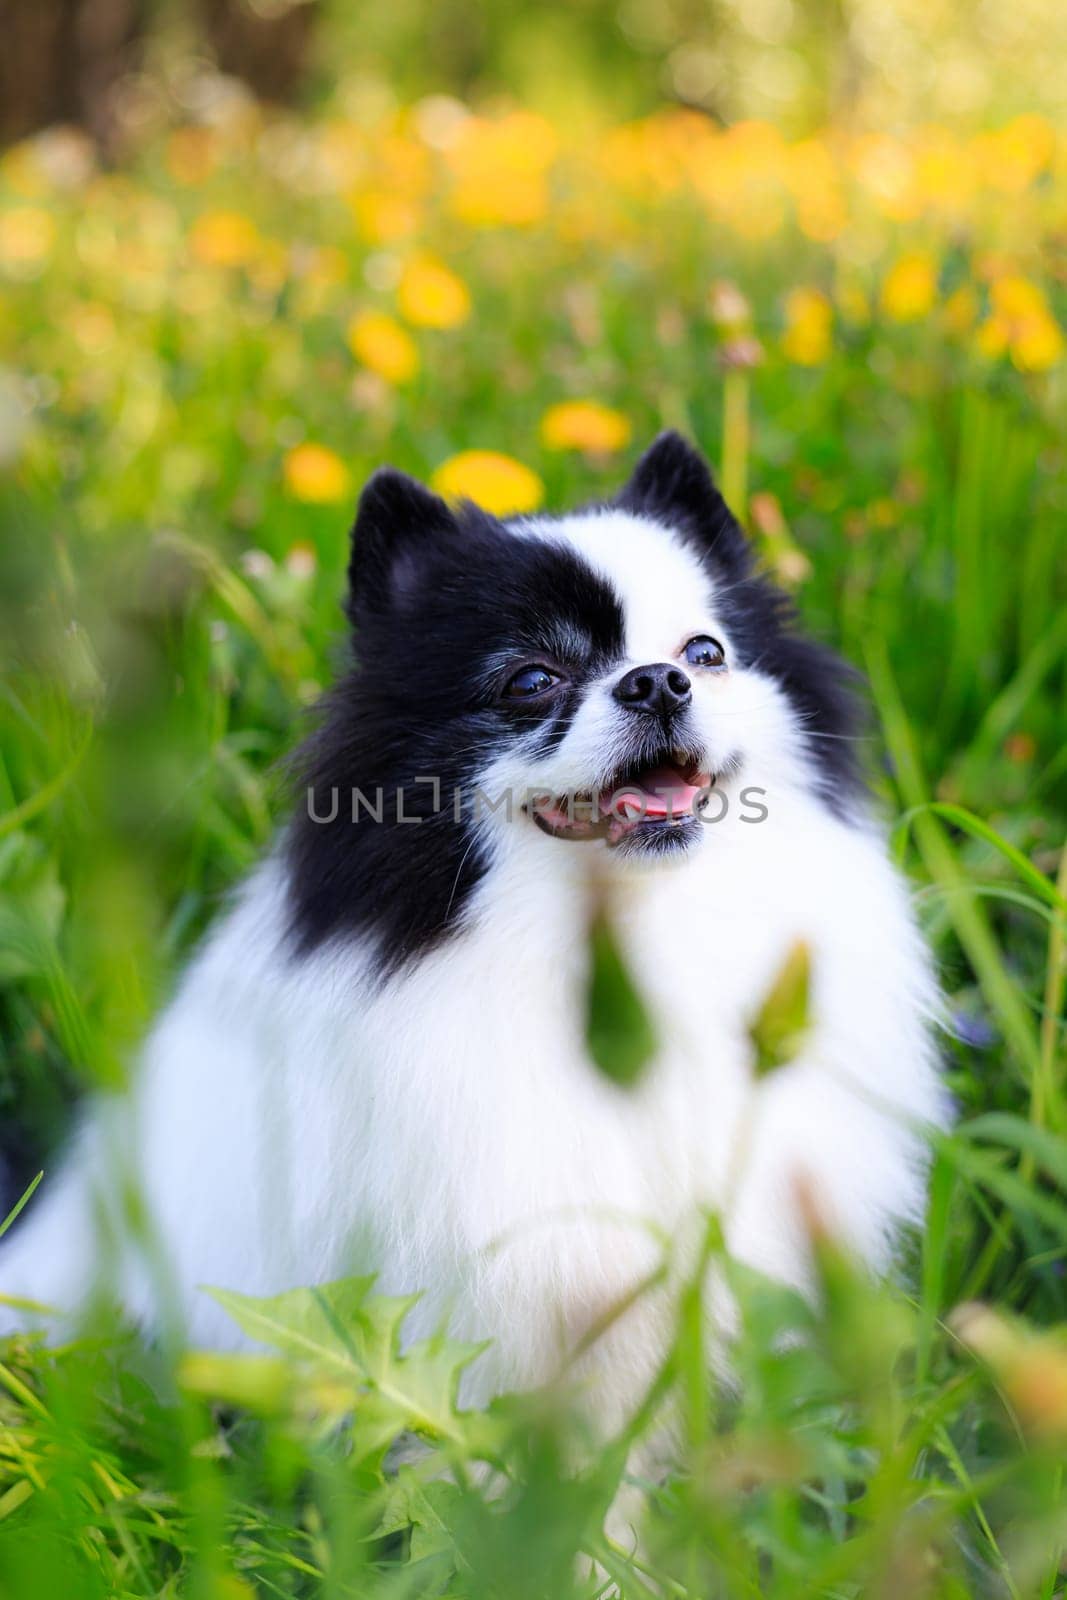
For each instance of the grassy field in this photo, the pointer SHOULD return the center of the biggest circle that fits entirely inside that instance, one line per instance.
(201, 357)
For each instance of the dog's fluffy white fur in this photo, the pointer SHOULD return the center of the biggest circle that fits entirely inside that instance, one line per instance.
(297, 1119)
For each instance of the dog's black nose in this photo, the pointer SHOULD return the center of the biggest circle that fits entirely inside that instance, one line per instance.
(661, 689)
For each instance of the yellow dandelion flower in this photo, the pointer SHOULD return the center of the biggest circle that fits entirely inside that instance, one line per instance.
(1013, 156)
(584, 425)
(496, 482)
(224, 239)
(515, 200)
(27, 235)
(381, 344)
(500, 168)
(1015, 298)
(813, 177)
(1021, 324)
(808, 327)
(315, 474)
(430, 295)
(885, 168)
(384, 216)
(910, 286)
(1037, 343)
(741, 177)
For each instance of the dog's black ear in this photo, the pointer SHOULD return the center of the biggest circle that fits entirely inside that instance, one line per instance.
(397, 519)
(673, 483)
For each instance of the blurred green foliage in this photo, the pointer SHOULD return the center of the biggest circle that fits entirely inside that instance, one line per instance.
(860, 62)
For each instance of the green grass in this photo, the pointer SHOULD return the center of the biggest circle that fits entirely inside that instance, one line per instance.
(154, 675)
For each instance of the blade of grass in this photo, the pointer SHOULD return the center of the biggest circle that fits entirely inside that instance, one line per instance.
(1050, 1079)
(966, 820)
(19, 1205)
(968, 918)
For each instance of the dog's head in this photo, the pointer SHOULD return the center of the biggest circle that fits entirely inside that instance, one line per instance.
(595, 677)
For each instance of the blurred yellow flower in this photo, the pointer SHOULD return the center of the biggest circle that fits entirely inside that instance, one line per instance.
(1037, 344)
(499, 167)
(885, 168)
(808, 327)
(315, 474)
(384, 216)
(430, 295)
(1021, 324)
(1014, 155)
(27, 235)
(392, 176)
(742, 176)
(813, 177)
(380, 343)
(1016, 298)
(910, 286)
(584, 425)
(496, 482)
(224, 239)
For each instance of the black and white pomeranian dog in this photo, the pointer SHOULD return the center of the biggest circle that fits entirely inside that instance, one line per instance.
(378, 1060)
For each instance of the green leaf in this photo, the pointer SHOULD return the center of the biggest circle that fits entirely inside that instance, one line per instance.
(783, 1021)
(619, 1034)
(343, 1332)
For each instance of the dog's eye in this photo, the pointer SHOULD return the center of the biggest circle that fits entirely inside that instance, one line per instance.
(704, 651)
(529, 682)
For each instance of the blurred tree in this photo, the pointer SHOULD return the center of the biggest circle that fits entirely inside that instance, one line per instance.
(61, 61)
(267, 43)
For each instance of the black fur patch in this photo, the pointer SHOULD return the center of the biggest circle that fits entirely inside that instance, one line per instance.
(444, 606)
(672, 484)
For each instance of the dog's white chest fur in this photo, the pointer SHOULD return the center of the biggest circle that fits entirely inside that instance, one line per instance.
(450, 1131)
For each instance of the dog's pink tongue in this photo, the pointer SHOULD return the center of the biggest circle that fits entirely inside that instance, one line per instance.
(662, 792)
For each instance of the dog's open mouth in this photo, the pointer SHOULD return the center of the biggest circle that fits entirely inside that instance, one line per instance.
(663, 794)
